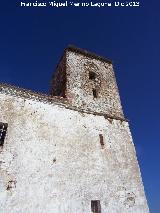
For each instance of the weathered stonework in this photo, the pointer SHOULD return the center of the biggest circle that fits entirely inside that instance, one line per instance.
(76, 67)
(58, 156)
(58, 84)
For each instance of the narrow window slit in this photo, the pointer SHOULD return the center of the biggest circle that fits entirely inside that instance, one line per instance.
(3, 130)
(94, 93)
(92, 75)
(101, 140)
(95, 206)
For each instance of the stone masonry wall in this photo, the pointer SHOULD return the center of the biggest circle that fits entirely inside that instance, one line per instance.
(58, 83)
(80, 86)
(53, 160)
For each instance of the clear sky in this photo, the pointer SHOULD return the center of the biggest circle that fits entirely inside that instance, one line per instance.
(32, 41)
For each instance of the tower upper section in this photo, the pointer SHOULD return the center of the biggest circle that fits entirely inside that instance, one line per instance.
(88, 82)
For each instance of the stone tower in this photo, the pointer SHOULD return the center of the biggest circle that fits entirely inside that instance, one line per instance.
(88, 82)
(70, 151)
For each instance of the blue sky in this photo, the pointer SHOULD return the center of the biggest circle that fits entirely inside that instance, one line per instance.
(32, 41)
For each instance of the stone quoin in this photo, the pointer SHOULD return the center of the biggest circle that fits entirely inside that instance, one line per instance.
(70, 151)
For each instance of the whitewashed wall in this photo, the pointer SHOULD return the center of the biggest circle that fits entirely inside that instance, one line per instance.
(52, 161)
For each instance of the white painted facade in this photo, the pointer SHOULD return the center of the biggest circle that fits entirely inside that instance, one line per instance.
(52, 160)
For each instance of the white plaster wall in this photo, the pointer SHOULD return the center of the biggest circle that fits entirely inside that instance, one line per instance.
(52, 161)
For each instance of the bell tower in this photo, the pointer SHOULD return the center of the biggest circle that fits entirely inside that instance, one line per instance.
(88, 82)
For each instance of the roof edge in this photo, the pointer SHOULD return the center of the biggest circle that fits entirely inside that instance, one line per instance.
(48, 99)
(87, 53)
